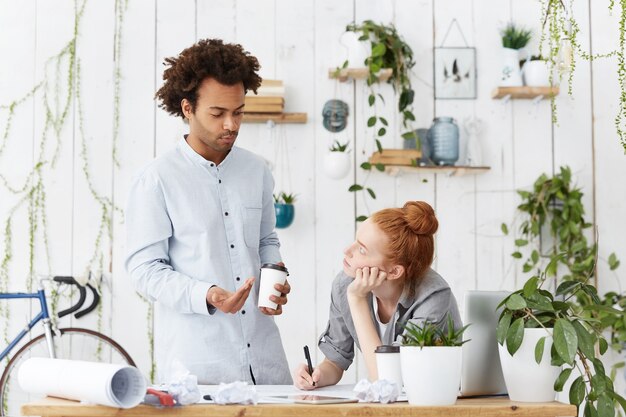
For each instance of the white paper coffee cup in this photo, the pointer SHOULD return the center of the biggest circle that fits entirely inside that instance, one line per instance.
(271, 274)
(388, 364)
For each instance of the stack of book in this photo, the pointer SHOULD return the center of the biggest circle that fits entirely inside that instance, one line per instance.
(270, 98)
(406, 157)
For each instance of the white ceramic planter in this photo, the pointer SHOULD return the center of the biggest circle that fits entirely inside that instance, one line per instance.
(510, 74)
(526, 380)
(536, 74)
(431, 375)
(337, 164)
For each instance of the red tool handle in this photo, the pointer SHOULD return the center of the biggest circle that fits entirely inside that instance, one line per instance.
(165, 399)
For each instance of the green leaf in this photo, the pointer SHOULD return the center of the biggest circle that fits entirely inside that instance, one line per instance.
(562, 378)
(361, 218)
(521, 242)
(371, 193)
(585, 340)
(565, 340)
(605, 406)
(355, 187)
(383, 121)
(382, 131)
(515, 336)
(516, 255)
(566, 287)
(504, 228)
(379, 146)
(380, 167)
(539, 349)
(371, 121)
(503, 326)
(366, 165)
(619, 399)
(590, 410)
(577, 391)
(603, 345)
(379, 49)
(515, 302)
(531, 286)
(371, 99)
(613, 262)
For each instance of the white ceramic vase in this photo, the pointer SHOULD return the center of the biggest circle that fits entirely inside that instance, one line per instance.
(527, 381)
(510, 74)
(536, 74)
(337, 164)
(431, 375)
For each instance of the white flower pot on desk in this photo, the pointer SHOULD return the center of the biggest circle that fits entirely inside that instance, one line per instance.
(432, 374)
(527, 381)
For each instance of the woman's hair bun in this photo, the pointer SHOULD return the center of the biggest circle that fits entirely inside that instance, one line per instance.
(420, 217)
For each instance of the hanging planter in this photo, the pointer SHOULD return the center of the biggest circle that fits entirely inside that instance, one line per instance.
(285, 210)
(337, 161)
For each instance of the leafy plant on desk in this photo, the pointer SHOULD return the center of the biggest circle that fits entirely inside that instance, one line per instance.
(574, 336)
(431, 334)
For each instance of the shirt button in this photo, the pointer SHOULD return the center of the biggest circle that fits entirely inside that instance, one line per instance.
(248, 344)
(212, 165)
(243, 311)
(226, 214)
(232, 246)
(237, 278)
(220, 181)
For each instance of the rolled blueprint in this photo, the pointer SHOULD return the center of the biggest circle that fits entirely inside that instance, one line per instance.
(114, 385)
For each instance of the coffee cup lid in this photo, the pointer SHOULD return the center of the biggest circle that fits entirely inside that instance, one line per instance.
(387, 349)
(274, 266)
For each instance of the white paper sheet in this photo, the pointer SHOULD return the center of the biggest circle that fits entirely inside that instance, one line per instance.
(101, 383)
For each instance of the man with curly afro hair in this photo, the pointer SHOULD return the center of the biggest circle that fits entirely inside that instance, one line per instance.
(200, 223)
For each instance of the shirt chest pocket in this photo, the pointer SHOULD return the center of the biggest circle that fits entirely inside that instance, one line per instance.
(252, 226)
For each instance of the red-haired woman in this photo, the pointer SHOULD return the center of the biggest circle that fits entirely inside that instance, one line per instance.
(386, 281)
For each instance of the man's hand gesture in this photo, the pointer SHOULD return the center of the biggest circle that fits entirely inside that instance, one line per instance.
(228, 301)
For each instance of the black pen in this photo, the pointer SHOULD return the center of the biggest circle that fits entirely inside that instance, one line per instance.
(307, 355)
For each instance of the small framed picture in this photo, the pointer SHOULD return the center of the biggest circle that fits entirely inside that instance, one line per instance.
(455, 73)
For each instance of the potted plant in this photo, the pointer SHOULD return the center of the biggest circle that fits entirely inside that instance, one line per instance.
(514, 38)
(337, 160)
(536, 72)
(285, 210)
(387, 50)
(430, 357)
(560, 332)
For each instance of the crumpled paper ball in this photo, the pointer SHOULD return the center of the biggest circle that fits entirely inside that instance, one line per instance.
(184, 385)
(237, 392)
(382, 391)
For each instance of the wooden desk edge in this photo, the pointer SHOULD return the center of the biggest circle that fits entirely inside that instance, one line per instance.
(486, 407)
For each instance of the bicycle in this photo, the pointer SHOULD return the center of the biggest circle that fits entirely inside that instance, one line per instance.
(65, 343)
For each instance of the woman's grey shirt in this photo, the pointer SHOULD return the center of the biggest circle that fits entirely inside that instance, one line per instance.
(432, 301)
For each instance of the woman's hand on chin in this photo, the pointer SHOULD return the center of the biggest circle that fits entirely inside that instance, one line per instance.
(366, 279)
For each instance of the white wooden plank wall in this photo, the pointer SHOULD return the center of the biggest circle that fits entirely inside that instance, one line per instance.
(298, 45)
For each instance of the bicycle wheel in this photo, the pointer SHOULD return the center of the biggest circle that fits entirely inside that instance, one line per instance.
(70, 343)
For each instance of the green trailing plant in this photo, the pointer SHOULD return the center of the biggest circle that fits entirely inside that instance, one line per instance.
(574, 338)
(339, 147)
(553, 211)
(515, 37)
(559, 36)
(388, 50)
(284, 198)
(431, 334)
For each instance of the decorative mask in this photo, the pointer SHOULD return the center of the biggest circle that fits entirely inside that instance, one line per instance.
(335, 115)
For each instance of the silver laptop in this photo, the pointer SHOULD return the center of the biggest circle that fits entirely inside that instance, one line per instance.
(481, 371)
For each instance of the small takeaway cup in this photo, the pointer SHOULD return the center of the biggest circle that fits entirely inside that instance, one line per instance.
(271, 274)
(388, 364)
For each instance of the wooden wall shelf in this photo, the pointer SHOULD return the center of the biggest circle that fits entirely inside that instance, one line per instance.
(530, 93)
(358, 74)
(275, 117)
(452, 171)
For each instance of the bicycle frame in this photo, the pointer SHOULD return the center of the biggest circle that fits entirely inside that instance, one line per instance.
(42, 316)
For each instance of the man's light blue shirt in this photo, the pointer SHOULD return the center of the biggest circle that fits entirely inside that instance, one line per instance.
(190, 225)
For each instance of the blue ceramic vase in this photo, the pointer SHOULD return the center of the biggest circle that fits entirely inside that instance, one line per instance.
(284, 214)
(443, 137)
